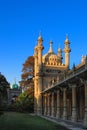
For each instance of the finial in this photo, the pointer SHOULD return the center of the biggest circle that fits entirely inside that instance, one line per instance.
(51, 42)
(40, 34)
(73, 66)
(67, 36)
(51, 50)
(67, 40)
(59, 50)
(15, 80)
(59, 47)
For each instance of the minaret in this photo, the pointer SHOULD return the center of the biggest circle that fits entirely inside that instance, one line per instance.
(35, 79)
(60, 55)
(40, 48)
(35, 60)
(67, 51)
(39, 75)
(51, 49)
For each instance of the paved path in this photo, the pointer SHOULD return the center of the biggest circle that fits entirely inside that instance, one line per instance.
(67, 124)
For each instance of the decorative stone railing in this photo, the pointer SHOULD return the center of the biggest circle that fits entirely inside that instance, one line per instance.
(68, 74)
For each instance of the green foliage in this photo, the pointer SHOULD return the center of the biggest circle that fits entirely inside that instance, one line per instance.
(24, 102)
(27, 78)
(3, 89)
(1, 113)
(3, 86)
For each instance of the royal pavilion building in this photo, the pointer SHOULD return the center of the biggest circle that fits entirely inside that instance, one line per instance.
(59, 92)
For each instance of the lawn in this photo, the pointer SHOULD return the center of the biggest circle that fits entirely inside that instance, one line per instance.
(21, 121)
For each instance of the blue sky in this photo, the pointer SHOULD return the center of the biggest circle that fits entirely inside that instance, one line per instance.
(21, 21)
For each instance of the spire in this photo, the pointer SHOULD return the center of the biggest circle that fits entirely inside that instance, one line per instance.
(67, 36)
(51, 49)
(67, 40)
(40, 40)
(67, 51)
(40, 36)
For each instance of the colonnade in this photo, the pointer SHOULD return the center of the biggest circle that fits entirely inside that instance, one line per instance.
(64, 103)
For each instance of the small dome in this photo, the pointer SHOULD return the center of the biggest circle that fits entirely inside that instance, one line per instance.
(15, 86)
(40, 38)
(59, 50)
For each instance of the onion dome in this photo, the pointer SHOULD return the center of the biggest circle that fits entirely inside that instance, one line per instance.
(50, 58)
(15, 86)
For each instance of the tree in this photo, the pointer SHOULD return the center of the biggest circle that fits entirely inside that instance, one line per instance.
(3, 88)
(24, 102)
(27, 82)
(28, 68)
(27, 72)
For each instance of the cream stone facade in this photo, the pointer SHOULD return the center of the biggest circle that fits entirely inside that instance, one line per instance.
(59, 92)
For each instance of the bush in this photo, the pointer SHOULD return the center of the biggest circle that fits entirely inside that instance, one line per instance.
(1, 113)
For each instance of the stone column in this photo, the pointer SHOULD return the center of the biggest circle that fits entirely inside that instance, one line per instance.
(64, 104)
(58, 105)
(45, 104)
(39, 99)
(85, 116)
(48, 104)
(74, 107)
(35, 80)
(35, 95)
(52, 113)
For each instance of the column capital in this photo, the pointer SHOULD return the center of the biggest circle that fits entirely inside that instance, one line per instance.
(72, 85)
(52, 92)
(60, 88)
(58, 91)
(83, 81)
(45, 95)
(48, 94)
(64, 89)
